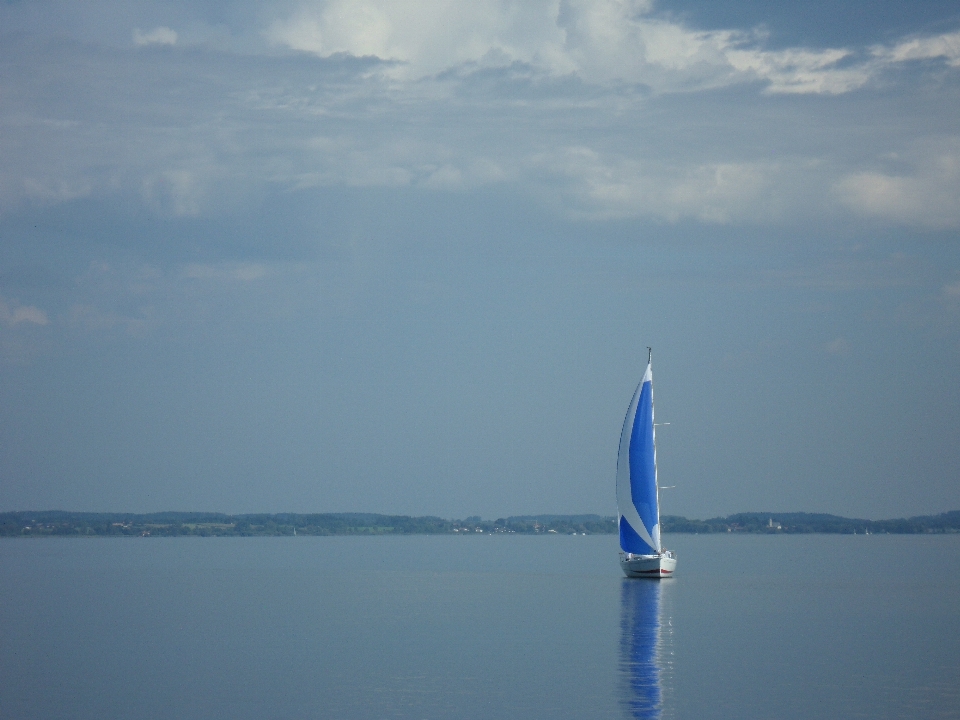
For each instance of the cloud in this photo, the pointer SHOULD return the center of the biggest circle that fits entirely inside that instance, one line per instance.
(179, 192)
(717, 193)
(601, 108)
(427, 36)
(597, 40)
(139, 300)
(158, 36)
(946, 46)
(12, 314)
(800, 71)
(56, 190)
(925, 193)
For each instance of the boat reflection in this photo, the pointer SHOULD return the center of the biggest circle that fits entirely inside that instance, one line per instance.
(645, 657)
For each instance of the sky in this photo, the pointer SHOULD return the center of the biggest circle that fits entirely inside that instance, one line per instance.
(406, 256)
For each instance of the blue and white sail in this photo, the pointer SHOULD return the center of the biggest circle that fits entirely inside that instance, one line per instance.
(637, 475)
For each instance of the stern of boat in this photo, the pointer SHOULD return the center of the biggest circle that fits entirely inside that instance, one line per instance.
(648, 566)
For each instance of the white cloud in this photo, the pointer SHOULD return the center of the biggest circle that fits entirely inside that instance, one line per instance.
(946, 46)
(158, 36)
(718, 193)
(179, 192)
(616, 187)
(595, 105)
(140, 299)
(926, 194)
(799, 70)
(429, 36)
(54, 190)
(598, 40)
(12, 313)
(446, 177)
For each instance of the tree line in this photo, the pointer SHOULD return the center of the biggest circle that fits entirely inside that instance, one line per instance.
(166, 524)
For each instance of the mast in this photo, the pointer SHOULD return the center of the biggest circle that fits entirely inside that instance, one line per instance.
(653, 422)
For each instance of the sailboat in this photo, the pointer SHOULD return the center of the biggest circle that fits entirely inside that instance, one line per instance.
(642, 554)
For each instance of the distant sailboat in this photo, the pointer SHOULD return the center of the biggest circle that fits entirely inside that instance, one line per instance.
(637, 494)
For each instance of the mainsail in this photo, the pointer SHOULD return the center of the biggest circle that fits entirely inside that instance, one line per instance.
(637, 474)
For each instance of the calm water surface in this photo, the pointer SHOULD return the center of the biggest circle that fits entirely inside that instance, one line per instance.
(479, 627)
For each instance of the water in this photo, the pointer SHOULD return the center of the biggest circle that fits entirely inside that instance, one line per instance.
(479, 627)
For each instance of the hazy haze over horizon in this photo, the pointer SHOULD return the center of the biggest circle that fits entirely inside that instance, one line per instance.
(406, 257)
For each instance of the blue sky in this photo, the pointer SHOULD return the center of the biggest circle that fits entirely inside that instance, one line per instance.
(406, 256)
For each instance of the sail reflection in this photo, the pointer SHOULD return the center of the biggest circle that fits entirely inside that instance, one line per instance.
(644, 658)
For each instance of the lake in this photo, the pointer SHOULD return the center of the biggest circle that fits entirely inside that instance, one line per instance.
(796, 626)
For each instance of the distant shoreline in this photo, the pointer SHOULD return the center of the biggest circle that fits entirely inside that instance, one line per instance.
(59, 523)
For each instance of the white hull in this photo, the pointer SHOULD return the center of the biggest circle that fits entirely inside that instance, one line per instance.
(649, 566)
